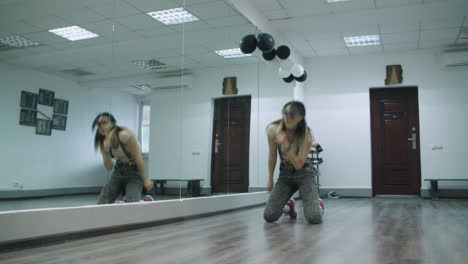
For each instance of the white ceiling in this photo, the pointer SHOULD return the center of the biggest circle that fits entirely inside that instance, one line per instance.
(126, 33)
(315, 28)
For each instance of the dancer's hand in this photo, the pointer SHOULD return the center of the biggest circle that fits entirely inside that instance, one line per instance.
(148, 184)
(269, 185)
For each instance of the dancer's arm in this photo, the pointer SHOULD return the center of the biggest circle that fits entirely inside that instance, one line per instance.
(134, 147)
(299, 159)
(272, 156)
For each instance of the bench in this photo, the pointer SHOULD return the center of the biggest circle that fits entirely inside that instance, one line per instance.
(435, 185)
(193, 185)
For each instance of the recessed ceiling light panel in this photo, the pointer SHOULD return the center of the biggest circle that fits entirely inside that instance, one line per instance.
(73, 33)
(173, 16)
(360, 41)
(18, 42)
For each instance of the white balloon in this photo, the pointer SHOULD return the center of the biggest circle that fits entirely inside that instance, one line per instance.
(283, 73)
(297, 70)
(286, 64)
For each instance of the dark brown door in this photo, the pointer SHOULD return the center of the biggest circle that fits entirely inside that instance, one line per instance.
(230, 145)
(395, 141)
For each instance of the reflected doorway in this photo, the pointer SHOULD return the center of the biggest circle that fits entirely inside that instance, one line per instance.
(230, 145)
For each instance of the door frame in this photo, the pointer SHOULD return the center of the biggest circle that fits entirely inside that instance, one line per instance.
(210, 146)
(418, 135)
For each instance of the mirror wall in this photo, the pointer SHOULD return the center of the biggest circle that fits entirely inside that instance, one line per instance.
(200, 139)
(200, 116)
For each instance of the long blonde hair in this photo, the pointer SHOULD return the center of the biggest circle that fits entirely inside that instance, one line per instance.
(302, 130)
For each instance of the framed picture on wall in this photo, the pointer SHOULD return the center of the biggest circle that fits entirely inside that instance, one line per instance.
(60, 106)
(28, 117)
(59, 122)
(46, 97)
(28, 100)
(43, 127)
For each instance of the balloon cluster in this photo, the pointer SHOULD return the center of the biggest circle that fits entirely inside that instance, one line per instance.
(288, 71)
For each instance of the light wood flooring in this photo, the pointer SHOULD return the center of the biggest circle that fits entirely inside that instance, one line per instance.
(397, 231)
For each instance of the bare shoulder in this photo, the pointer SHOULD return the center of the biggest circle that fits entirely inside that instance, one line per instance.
(126, 134)
(272, 130)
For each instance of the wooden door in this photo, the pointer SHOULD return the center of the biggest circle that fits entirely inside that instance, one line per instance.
(395, 141)
(230, 145)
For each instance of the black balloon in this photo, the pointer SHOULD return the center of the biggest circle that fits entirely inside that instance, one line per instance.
(265, 42)
(301, 78)
(289, 79)
(283, 52)
(248, 44)
(269, 55)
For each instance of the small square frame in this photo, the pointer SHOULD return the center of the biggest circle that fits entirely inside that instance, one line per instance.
(28, 117)
(60, 106)
(28, 100)
(59, 122)
(43, 127)
(46, 97)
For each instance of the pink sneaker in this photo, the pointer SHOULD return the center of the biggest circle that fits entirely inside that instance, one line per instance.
(292, 212)
(322, 206)
(148, 198)
(124, 199)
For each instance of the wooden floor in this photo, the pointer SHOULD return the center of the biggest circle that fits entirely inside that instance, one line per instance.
(63, 201)
(71, 201)
(399, 231)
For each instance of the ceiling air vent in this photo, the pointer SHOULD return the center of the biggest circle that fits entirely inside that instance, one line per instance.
(455, 58)
(150, 64)
(77, 72)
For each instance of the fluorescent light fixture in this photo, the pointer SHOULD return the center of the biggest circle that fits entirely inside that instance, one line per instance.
(18, 42)
(73, 33)
(360, 41)
(336, 1)
(150, 64)
(173, 16)
(232, 53)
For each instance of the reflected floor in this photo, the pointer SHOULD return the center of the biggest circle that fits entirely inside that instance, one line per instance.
(69, 201)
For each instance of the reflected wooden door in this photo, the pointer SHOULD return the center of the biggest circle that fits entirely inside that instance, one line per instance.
(230, 145)
(395, 141)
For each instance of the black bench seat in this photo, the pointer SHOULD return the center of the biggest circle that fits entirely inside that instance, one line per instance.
(193, 185)
(435, 185)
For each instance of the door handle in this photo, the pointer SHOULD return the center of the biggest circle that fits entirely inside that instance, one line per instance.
(217, 144)
(413, 140)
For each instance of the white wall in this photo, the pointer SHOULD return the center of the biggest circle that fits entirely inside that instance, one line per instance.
(181, 121)
(337, 102)
(337, 98)
(66, 158)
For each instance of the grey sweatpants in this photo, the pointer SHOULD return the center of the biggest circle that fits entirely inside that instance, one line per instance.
(123, 177)
(288, 183)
